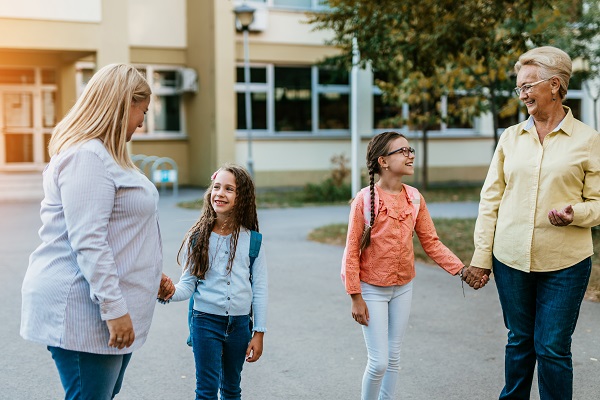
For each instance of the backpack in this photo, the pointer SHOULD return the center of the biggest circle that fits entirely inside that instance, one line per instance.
(415, 200)
(255, 242)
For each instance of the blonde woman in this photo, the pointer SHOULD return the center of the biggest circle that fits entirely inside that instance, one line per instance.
(89, 291)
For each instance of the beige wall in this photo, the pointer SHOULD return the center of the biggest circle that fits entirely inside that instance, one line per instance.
(62, 10)
(158, 23)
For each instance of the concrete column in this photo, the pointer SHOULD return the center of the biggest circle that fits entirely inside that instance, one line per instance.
(211, 111)
(113, 41)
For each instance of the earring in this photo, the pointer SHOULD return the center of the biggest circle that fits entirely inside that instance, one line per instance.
(387, 168)
(553, 99)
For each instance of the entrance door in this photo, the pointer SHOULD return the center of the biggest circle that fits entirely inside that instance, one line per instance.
(27, 116)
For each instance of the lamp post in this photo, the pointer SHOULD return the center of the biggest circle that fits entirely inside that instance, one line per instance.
(244, 15)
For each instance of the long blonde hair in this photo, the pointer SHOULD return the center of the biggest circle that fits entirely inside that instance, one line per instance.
(102, 112)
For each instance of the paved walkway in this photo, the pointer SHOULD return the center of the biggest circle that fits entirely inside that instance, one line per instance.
(313, 350)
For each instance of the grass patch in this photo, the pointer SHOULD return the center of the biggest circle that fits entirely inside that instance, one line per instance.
(311, 196)
(457, 234)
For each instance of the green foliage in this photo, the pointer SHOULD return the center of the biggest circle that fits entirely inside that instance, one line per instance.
(421, 50)
(326, 191)
(334, 188)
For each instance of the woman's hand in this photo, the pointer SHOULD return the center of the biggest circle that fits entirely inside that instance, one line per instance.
(476, 277)
(561, 218)
(360, 312)
(121, 332)
(255, 348)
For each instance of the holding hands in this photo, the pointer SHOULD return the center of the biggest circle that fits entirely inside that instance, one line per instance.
(476, 277)
(166, 290)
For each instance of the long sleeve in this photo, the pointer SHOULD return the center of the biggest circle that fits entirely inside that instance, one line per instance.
(84, 183)
(356, 226)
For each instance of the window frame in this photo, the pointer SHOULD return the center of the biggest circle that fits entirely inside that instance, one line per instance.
(149, 132)
(269, 88)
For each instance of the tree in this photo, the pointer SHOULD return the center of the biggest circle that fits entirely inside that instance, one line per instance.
(584, 44)
(422, 50)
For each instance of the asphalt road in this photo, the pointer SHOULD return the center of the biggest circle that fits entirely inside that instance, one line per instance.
(313, 350)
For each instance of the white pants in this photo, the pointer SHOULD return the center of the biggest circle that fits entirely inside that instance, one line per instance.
(389, 309)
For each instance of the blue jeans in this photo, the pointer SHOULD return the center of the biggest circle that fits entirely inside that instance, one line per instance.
(219, 344)
(88, 376)
(540, 312)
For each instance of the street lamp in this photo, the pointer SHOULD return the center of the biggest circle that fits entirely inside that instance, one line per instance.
(244, 15)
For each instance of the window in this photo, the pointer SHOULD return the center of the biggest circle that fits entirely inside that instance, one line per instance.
(294, 100)
(386, 116)
(165, 115)
(258, 97)
(298, 4)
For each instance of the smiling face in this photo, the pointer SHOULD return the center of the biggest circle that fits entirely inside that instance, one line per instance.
(539, 100)
(137, 112)
(223, 194)
(398, 163)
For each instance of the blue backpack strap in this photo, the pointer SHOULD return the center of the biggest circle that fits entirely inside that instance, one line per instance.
(255, 242)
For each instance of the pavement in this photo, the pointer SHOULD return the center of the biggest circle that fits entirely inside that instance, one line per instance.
(453, 349)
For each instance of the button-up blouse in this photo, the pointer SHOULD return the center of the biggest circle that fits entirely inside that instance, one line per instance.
(525, 181)
(389, 259)
(229, 293)
(100, 256)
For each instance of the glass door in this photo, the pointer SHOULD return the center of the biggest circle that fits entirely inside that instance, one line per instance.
(27, 116)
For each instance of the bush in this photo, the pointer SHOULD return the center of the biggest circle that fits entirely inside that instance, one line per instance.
(335, 188)
(326, 191)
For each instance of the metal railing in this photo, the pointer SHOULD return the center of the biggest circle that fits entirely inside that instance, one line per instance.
(159, 170)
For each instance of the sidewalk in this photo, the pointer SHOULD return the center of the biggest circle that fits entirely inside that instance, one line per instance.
(313, 350)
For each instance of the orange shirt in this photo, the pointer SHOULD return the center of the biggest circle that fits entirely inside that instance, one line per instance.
(389, 259)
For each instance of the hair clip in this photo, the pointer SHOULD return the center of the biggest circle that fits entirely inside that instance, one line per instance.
(214, 175)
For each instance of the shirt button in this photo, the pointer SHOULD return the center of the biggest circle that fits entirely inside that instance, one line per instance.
(228, 283)
(226, 252)
(227, 312)
(229, 298)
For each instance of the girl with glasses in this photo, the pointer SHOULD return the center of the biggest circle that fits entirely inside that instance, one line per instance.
(379, 263)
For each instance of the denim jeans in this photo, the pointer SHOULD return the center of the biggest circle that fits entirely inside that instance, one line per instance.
(219, 344)
(540, 312)
(88, 376)
(389, 309)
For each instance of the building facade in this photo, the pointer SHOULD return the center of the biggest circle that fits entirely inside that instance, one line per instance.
(193, 57)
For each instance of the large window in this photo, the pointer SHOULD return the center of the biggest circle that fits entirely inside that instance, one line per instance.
(165, 115)
(294, 100)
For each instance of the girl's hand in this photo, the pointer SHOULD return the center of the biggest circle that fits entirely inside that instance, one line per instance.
(121, 332)
(255, 348)
(166, 290)
(360, 312)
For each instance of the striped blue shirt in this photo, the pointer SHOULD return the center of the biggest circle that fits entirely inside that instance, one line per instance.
(100, 257)
(225, 292)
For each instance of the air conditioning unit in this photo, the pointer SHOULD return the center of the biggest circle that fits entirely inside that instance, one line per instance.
(188, 80)
(261, 15)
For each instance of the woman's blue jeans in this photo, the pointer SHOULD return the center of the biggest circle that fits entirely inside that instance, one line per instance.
(540, 312)
(88, 376)
(219, 344)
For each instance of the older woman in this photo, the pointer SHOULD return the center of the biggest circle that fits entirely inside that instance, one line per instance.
(538, 203)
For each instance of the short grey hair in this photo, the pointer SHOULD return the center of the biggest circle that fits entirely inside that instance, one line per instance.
(551, 62)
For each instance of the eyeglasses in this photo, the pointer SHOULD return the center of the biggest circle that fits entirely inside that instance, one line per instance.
(406, 151)
(529, 87)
